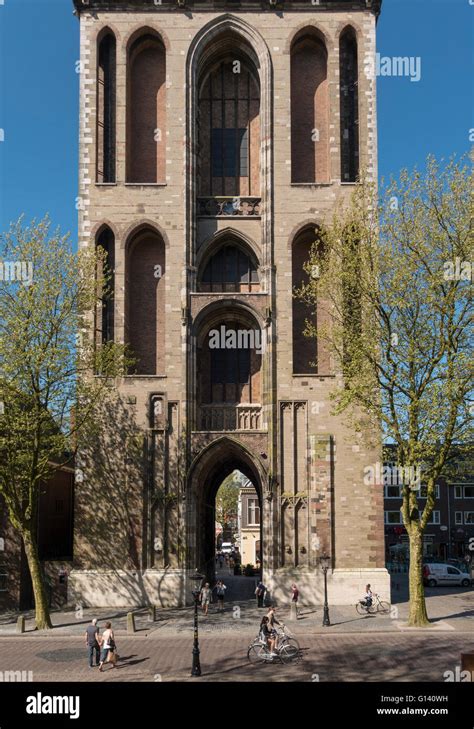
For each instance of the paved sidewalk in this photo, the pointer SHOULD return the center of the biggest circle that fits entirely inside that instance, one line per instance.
(450, 609)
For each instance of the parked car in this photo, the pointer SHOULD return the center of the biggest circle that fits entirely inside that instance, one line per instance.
(226, 548)
(461, 564)
(435, 574)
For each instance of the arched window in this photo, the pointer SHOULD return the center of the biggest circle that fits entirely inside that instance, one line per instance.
(309, 110)
(146, 110)
(104, 320)
(106, 107)
(229, 129)
(230, 373)
(349, 96)
(229, 359)
(145, 302)
(230, 269)
(310, 357)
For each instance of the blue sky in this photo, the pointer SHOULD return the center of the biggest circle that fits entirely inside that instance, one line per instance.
(39, 97)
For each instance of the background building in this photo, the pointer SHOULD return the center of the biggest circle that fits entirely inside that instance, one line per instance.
(249, 525)
(215, 139)
(450, 531)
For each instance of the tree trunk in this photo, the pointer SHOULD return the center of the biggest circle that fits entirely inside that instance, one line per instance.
(42, 618)
(417, 616)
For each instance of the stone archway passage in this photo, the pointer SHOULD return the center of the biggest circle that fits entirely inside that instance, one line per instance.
(212, 467)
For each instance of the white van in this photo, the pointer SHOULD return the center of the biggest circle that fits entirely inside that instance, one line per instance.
(444, 574)
(226, 547)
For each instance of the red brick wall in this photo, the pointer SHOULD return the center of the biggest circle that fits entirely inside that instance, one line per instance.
(145, 303)
(309, 111)
(146, 111)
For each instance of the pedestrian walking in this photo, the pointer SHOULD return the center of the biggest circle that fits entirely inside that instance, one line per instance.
(260, 591)
(92, 642)
(206, 595)
(295, 593)
(108, 653)
(220, 589)
(221, 560)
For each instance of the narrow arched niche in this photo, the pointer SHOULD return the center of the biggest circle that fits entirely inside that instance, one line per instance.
(146, 109)
(104, 313)
(145, 301)
(349, 105)
(309, 109)
(310, 356)
(106, 106)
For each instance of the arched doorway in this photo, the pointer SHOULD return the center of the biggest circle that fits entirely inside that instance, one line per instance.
(208, 472)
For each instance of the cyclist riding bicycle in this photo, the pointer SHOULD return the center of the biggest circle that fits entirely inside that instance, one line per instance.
(272, 622)
(368, 597)
(266, 635)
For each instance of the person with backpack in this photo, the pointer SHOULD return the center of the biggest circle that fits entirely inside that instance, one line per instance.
(260, 591)
(220, 589)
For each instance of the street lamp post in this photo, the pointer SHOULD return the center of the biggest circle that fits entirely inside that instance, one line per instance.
(196, 667)
(325, 561)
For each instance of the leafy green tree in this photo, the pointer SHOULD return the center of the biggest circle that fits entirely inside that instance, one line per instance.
(394, 278)
(227, 500)
(48, 358)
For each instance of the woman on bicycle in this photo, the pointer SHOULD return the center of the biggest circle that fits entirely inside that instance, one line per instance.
(266, 635)
(272, 623)
(368, 596)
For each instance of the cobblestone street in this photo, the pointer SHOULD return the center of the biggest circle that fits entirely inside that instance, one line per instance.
(369, 648)
(381, 657)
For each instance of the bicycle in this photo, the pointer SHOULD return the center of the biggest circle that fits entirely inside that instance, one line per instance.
(258, 652)
(284, 637)
(292, 647)
(377, 606)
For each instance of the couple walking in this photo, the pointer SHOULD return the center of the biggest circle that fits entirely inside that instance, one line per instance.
(206, 596)
(103, 646)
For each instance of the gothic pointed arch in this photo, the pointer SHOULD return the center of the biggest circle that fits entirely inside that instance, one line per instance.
(230, 265)
(309, 107)
(207, 472)
(310, 356)
(145, 269)
(105, 308)
(146, 107)
(106, 106)
(349, 104)
(238, 132)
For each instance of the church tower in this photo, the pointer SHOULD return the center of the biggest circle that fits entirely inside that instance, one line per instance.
(215, 139)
